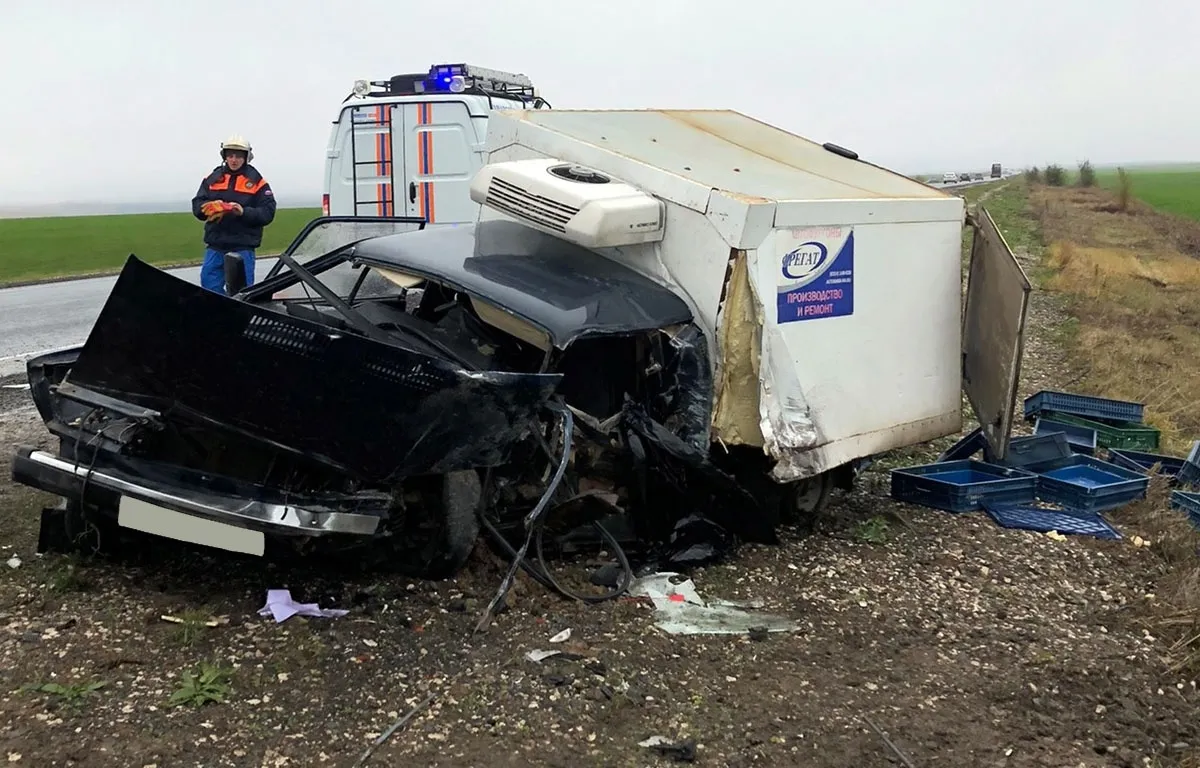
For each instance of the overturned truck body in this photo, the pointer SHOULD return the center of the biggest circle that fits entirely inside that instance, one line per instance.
(659, 318)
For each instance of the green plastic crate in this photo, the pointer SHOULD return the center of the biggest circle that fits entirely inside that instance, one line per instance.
(1126, 435)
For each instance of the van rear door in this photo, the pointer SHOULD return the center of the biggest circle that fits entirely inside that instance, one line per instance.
(993, 336)
(440, 151)
(363, 168)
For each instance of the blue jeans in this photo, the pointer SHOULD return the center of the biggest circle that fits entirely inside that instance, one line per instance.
(212, 272)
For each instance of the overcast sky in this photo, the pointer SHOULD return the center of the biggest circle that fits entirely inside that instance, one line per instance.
(127, 100)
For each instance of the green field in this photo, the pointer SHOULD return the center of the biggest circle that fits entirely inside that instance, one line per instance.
(1172, 189)
(41, 248)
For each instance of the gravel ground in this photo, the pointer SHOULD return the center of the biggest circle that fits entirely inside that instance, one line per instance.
(968, 644)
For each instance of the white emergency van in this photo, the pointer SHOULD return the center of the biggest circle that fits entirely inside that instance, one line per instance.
(409, 145)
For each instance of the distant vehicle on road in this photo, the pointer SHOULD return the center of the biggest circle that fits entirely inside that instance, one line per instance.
(978, 177)
(949, 178)
(996, 173)
(964, 177)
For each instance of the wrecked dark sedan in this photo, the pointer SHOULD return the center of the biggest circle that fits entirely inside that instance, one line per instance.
(395, 391)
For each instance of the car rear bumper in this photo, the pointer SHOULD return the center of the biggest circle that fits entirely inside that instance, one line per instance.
(135, 499)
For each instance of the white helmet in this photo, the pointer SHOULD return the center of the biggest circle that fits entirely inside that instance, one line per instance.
(237, 141)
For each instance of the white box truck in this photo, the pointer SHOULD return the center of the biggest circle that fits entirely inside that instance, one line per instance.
(830, 290)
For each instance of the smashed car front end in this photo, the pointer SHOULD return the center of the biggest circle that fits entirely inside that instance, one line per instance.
(218, 421)
(423, 388)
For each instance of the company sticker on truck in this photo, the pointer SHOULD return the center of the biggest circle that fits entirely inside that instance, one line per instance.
(816, 273)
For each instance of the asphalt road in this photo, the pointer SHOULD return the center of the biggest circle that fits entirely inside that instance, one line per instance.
(48, 316)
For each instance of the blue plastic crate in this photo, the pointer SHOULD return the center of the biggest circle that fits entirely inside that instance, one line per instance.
(1081, 439)
(1037, 449)
(1099, 408)
(1140, 461)
(1189, 503)
(965, 448)
(1189, 473)
(1030, 518)
(1087, 484)
(962, 486)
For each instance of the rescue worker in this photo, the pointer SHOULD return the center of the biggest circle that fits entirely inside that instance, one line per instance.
(235, 202)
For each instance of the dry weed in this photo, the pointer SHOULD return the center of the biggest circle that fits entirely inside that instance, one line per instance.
(1174, 613)
(1124, 190)
(1137, 300)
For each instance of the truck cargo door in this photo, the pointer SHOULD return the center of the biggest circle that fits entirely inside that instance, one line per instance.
(993, 331)
(439, 161)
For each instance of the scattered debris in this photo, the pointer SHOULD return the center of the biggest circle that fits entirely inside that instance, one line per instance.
(903, 757)
(562, 637)
(282, 607)
(214, 622)
(403, 719)
(14, 562)
(683, 612)
(681, 752)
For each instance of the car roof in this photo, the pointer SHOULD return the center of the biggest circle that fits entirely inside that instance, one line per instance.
(566, 290)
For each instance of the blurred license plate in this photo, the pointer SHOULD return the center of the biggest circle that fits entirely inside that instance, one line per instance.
(160, 521)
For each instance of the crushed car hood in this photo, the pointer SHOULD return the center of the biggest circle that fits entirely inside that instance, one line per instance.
(563, 288)
(377, 410)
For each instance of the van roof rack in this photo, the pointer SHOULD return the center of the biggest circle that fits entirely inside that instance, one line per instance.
(448, 78)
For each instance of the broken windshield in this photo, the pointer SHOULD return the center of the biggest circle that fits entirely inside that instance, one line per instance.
(327, 235)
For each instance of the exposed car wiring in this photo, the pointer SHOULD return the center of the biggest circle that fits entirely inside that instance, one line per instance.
(566, 420)
(535, 530)
(92, 443)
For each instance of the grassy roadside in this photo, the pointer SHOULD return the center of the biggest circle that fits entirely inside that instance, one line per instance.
(1130, 283)
(1132, 289)
(39, 249)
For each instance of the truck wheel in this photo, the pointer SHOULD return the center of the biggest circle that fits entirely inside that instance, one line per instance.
(435, 540)
(807, 499)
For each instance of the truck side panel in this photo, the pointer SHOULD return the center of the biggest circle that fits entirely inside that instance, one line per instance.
(861, 337)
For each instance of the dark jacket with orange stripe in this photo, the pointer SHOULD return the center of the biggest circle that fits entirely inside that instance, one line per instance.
(249, 189)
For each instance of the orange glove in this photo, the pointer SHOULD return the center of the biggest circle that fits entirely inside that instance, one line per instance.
(215, 209)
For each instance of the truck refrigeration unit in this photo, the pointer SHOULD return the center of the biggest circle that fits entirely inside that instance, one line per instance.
(409, 145)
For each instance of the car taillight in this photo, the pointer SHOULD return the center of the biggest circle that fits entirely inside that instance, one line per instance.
(324, 205)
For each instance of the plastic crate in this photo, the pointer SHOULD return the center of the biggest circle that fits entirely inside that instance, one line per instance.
(1037, 449)
(963, 486)
(1087, 484)
(1189, 503)
(1189, 473)
(1081, 439)
(1100, 408)
(1027, 517)
(968, 446)
(1135, 437)
(1140, 461)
